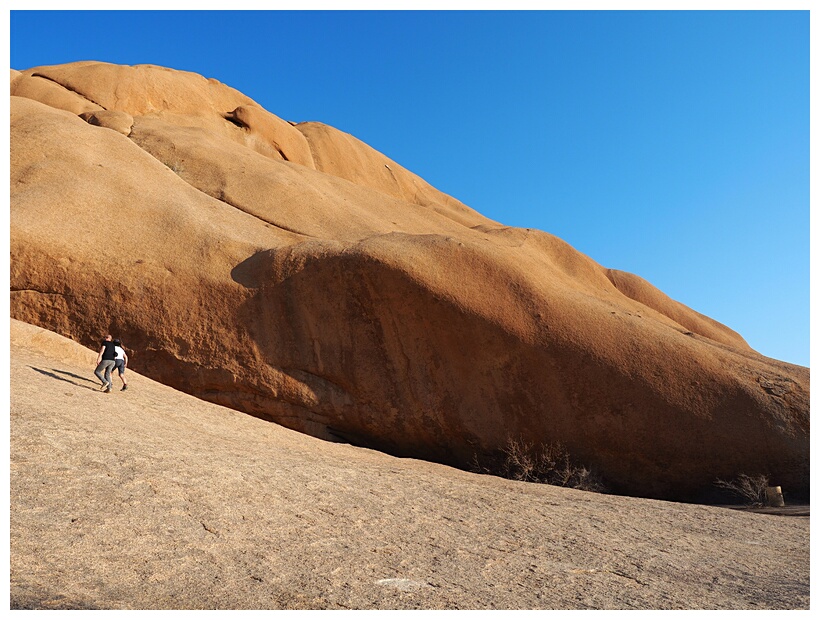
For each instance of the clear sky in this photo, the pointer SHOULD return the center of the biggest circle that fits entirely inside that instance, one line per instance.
(674, 145)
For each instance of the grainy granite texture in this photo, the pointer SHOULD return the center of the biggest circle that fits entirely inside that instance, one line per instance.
(152, 499)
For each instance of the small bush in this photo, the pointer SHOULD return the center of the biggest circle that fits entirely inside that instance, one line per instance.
(175, 166)
(752, 490)
(547, 464)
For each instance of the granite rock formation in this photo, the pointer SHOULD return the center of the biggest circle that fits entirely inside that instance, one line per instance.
(294, 273)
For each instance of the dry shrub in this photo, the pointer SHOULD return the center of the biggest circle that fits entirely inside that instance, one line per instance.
(547, 464)
(750, 489)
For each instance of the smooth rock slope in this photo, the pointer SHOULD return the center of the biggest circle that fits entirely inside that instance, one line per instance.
(294, 273)
(153, 499)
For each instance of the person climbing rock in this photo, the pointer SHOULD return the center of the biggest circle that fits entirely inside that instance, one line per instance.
(106, 363)
(120, 362)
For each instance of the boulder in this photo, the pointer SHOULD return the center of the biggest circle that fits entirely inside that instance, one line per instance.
(121, 122)
(344, 297)
(285, 141)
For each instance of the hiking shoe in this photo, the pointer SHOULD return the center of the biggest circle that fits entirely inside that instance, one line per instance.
(107, 389)
(125, 387)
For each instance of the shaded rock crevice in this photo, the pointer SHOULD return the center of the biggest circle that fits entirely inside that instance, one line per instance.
(67, 88)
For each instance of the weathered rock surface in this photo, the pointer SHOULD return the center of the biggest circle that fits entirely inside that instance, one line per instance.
(112, 119)
(153, 499)
(330, 290)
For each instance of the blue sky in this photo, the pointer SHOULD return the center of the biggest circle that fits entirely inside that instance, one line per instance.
(674, 145)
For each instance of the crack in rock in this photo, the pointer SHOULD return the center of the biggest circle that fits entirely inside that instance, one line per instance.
(71, 90)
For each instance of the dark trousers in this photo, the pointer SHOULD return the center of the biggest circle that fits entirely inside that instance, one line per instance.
(105, 366)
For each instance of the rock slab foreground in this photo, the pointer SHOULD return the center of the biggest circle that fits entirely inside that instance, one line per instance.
(153, 499)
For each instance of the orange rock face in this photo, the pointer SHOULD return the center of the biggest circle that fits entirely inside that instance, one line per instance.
(292, 272)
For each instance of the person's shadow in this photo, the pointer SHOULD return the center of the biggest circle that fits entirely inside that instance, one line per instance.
(57, 374)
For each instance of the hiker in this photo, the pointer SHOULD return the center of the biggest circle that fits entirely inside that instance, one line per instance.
(105, 363)
(120, 362)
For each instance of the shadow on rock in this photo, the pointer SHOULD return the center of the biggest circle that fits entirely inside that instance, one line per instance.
(56, 374)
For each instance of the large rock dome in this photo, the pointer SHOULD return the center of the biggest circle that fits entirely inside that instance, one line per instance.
(292, 272)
